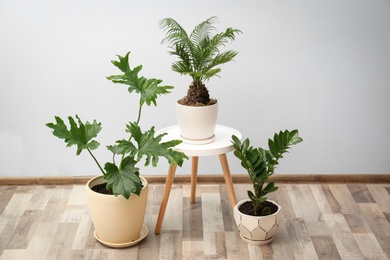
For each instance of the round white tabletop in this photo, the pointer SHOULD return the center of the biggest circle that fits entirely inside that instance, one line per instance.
(222, 143)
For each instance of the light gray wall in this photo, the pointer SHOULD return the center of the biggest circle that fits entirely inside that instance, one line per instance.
(320, 66)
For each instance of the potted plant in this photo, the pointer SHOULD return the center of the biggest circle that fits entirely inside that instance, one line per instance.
(117, 198)
(258, 218)
(199, 56)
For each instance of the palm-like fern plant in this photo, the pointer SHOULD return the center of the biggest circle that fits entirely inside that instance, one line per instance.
(198, 54)
(260, 164)
(123, 176)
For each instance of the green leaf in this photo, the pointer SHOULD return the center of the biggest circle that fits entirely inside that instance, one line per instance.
(80, 134)
(296, 140)
(270, 187)
(265, 211)
(276, 142)
(236, 142)
(251, 196)
(282, 142)
(148, 89)
(198, 52)
(123, 181)
(117, 149)
(272, 147)
(245, 145)
(151, 146)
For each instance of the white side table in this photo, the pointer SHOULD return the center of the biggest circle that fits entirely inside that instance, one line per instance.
(220, 146)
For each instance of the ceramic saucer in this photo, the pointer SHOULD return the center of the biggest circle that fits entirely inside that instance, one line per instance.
(198, 142)
(257, 242)
(142, 235)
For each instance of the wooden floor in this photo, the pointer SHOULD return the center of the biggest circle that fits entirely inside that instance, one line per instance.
(329, 221)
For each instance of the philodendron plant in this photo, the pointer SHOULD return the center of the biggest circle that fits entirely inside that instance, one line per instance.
(260, 165)
(198, 54)
(122, 175)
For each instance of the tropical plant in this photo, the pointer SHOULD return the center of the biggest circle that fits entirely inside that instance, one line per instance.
(123, 177)
(260, 165)
(198, 54)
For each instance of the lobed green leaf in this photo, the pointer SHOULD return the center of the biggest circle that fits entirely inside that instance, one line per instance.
(148, 89)
(79, 134)
(125, 180)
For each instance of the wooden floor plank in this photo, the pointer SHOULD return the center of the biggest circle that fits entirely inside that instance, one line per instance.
(320, 199)
(24, 230)
(41, 241)
(333, 203)
(309, 209)
(167, 249)
(15, 254)
(343, 237)
(62, 243)
(211, 209)
(192, 220)
(283, 199)
(301, 241)
(357, 223)
(294, 201)
(175, 205)
(360, 193)
(379, 225)
(320, 221)
(381, 196)
(344, 199)
(193, 249)
(325, 247)
(282, 248)
(6, 194)
(83, 230)
(236, 249)
(370, 246)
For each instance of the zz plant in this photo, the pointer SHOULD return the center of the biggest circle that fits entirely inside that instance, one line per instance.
(122, 176)
(198, 54)
(260, 165)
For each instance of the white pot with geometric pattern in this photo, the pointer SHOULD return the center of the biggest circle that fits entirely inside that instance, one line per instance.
(257, 230)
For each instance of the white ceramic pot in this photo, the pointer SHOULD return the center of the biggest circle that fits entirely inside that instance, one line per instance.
(197, 124)
(118, 222)
(257, 230)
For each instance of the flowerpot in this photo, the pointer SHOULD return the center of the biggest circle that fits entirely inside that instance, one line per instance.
(197, 124)
(118, 222)
(257, 230)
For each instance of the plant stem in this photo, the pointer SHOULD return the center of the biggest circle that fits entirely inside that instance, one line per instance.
(138, 119)
(101, 169)
(139, 114)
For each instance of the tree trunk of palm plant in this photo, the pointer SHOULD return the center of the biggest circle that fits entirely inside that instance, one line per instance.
(197, 94)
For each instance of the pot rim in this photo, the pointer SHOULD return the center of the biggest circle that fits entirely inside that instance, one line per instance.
(274, 214)
(144, 182)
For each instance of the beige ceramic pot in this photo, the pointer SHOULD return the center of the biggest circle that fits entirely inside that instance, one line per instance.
(118, 222)
(257, 230)
(197, 124)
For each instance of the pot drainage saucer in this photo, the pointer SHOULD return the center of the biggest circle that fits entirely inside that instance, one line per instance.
(198, 142)
(257, 242)
(142, 235)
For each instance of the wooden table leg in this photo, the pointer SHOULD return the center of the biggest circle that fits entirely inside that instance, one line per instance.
(164, 202)
(228, 179)
(194, 176)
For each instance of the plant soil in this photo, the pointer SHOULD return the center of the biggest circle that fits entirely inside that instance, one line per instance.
(197, 95)
(247, 207)
(101, 188)
(184, 101)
